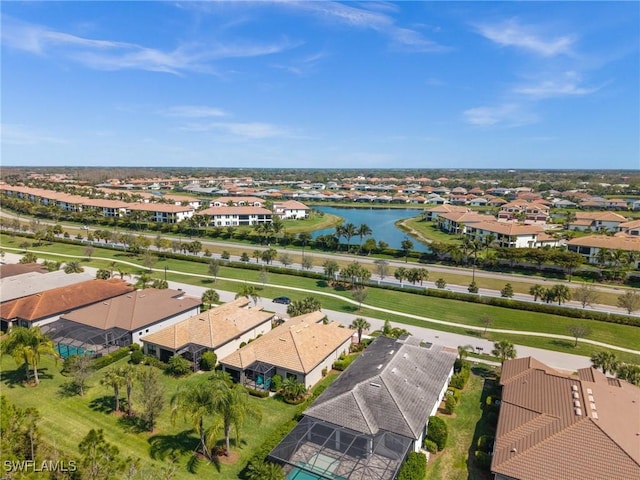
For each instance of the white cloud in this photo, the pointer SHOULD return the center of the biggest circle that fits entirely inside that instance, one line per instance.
(252, 130)
(115, 55)
(13, 134)
(506, 115)
(194, 111)
(511, 33)
(567, 85)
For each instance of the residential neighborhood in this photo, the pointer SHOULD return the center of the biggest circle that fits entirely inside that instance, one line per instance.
(366, 399)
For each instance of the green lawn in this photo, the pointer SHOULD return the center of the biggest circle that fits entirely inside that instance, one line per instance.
(66, 419)
(463, 313)
(456, 461)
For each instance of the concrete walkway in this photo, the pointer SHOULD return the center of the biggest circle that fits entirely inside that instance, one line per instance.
(559, 360)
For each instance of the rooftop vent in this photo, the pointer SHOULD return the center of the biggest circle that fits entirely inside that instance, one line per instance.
(379, 366)
(576, 403)
(591, 399)
(375, 384)
(392, 352)
(574, 388)
(578, 412)
(575, 395)
(594, 415)
(593, 406)
(589, 391)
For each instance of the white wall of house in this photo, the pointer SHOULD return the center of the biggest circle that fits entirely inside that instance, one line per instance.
(231, 346)
(417, 445)
(293, 214)
(137, 335)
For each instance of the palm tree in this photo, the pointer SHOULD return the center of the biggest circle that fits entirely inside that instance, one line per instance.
(115, 380)
(128, 374)
(196, 402)
(406, 245)
(339, 233)
(607, 361)
(292, 389)
(463, 351)
(209, 297)
(73, 267)
(400, 274)
(331, 267)
(537, 291)
(360, 324)
(231, 403)
(16, 344)
(350, 231)
(362, 231)
(247, 290)
(561, 293)
(504, 350)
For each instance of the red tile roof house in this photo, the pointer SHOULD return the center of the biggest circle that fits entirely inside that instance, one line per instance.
(301, 348)
(46, 307)
(122, 320)
(291, 209)
(221, 330)
(554, 426)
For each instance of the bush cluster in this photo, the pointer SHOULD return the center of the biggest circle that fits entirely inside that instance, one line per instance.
(430, 446)
(437, 432)
(344, 361)
(414, 468)
(460, 379)
(110, 358)
(208, 361)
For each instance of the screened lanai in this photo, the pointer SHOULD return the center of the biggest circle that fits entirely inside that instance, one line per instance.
(71, 338)
(315, 449)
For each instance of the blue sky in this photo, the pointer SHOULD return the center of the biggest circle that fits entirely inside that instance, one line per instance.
(322, 84)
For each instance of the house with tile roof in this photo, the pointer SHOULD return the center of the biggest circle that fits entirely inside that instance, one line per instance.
(630, 228)
(300, 348)
(237, 202)
(291, 210)
(596, 221)
(120, 321)
(364, 425)
(12, 269)
(236, 216)
(455, 223)
(432, 214)
(221, 330)
(512, 235)
(555, 426)
(590, 246)
(45, 307)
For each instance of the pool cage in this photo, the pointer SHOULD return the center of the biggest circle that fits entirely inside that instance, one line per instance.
(71, 338)
(315, 449)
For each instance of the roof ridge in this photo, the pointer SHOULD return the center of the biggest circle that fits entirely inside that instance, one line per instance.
(298, 353)
(394, 401)
(614, 442)
(365, 417)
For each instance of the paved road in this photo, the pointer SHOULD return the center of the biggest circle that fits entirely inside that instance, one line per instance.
(558, 360)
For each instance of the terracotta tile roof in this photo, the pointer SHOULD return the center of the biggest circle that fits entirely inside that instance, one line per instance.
(504, 228)
(558, 427)
(601, 216)
(299, 344)
(212, 328)
(448, 208)
(466, 217)
(160, 207)
(134, 310)
(63, 299)
(291, 205)
(629, 225)
(618, 242)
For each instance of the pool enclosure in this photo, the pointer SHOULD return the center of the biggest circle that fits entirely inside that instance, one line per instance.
(315, 449)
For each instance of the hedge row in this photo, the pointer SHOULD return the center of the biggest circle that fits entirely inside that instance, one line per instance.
(415, 468)
(110, 358)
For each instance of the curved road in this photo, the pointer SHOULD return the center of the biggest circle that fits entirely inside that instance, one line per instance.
(555, 359)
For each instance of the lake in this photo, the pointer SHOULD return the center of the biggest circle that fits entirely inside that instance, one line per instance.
(380, 220)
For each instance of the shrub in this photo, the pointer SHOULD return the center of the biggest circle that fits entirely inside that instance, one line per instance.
(178, 366)
(450, 404)
(258, 393)
(325, 371)
(483, 459)
(430, 446)
(414, 468)
(208, 361)
(344, 361)
(455, 393)
(437, 432)
(276, 382)
(108, 359)
(136, 357)
(485, 443)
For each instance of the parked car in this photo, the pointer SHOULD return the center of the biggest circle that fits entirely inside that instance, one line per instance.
(283, 300)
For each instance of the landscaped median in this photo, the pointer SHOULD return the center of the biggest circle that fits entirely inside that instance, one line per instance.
(401, 306)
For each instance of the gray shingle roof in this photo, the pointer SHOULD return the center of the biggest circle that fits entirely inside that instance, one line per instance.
(392, 386)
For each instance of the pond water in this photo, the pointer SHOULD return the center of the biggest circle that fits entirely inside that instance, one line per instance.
(380, 220)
